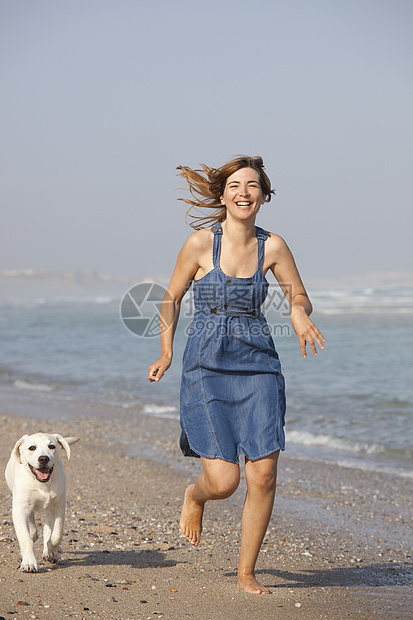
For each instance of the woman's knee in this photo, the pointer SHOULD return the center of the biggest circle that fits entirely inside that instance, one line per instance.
(262, 475)
(265, 481)
(223, 481)
(226, 486)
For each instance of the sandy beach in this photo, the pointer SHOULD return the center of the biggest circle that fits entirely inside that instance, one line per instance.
(338, 545)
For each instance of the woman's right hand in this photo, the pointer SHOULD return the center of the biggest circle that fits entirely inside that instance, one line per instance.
(158, 368)
(187, 265)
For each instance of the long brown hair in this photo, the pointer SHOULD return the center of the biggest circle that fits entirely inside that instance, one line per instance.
(207, 185)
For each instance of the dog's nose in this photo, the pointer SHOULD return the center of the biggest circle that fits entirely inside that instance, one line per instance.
(43, 461)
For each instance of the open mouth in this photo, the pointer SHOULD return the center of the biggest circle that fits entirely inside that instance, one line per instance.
(43, 474)
(243, 204)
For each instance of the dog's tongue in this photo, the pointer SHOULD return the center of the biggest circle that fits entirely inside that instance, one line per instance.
(42, 474)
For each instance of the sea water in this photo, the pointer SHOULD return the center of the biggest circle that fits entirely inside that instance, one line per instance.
(353, 403)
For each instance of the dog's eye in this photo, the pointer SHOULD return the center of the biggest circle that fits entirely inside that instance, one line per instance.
(32, 448)
(52, 446)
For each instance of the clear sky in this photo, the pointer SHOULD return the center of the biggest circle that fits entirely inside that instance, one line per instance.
(101, 100)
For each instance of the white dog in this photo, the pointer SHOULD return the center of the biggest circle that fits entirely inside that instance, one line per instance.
(36, 478)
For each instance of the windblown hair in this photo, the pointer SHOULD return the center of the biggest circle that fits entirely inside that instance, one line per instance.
(207, 185)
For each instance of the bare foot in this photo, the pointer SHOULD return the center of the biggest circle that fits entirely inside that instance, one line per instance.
(249, 584)
(191, 518)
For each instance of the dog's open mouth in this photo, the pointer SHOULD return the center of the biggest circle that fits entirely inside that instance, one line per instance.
(43, 474)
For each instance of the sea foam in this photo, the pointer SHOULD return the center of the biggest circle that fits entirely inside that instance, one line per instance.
(36, 387)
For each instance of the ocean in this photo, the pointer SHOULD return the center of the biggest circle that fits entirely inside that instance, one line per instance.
(352, 404)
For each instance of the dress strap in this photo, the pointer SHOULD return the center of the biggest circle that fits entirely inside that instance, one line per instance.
(216, 251)
(262, 235)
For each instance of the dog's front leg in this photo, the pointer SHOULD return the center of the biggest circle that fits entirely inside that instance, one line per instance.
(23, 521)
(32, 527)
(53, 532)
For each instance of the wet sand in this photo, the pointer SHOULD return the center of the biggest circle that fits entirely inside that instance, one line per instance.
(338, 545)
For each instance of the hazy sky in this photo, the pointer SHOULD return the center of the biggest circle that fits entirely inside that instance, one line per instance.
(101, 100)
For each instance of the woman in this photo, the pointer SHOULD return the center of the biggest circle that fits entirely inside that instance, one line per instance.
(232, 392)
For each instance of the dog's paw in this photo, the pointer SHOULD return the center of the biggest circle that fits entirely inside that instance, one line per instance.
(29, 567)
(52, 556)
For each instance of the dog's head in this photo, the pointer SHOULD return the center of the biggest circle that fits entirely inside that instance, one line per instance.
(39, 453)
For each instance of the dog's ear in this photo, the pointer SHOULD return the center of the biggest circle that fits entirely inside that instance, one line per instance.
(65, 442)
(72, 440)
(16, 449)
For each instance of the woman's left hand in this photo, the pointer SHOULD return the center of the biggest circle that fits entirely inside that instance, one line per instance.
(306, 331)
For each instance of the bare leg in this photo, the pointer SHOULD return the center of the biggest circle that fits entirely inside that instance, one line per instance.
(219, 480)
(261, 477)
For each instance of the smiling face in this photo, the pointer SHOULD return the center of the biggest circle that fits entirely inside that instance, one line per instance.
(39, 454)
(243, 195)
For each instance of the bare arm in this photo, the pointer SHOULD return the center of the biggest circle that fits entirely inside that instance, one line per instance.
(187, 264)
(283, 266)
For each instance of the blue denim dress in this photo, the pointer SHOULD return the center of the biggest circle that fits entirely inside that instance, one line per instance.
(232, 389)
